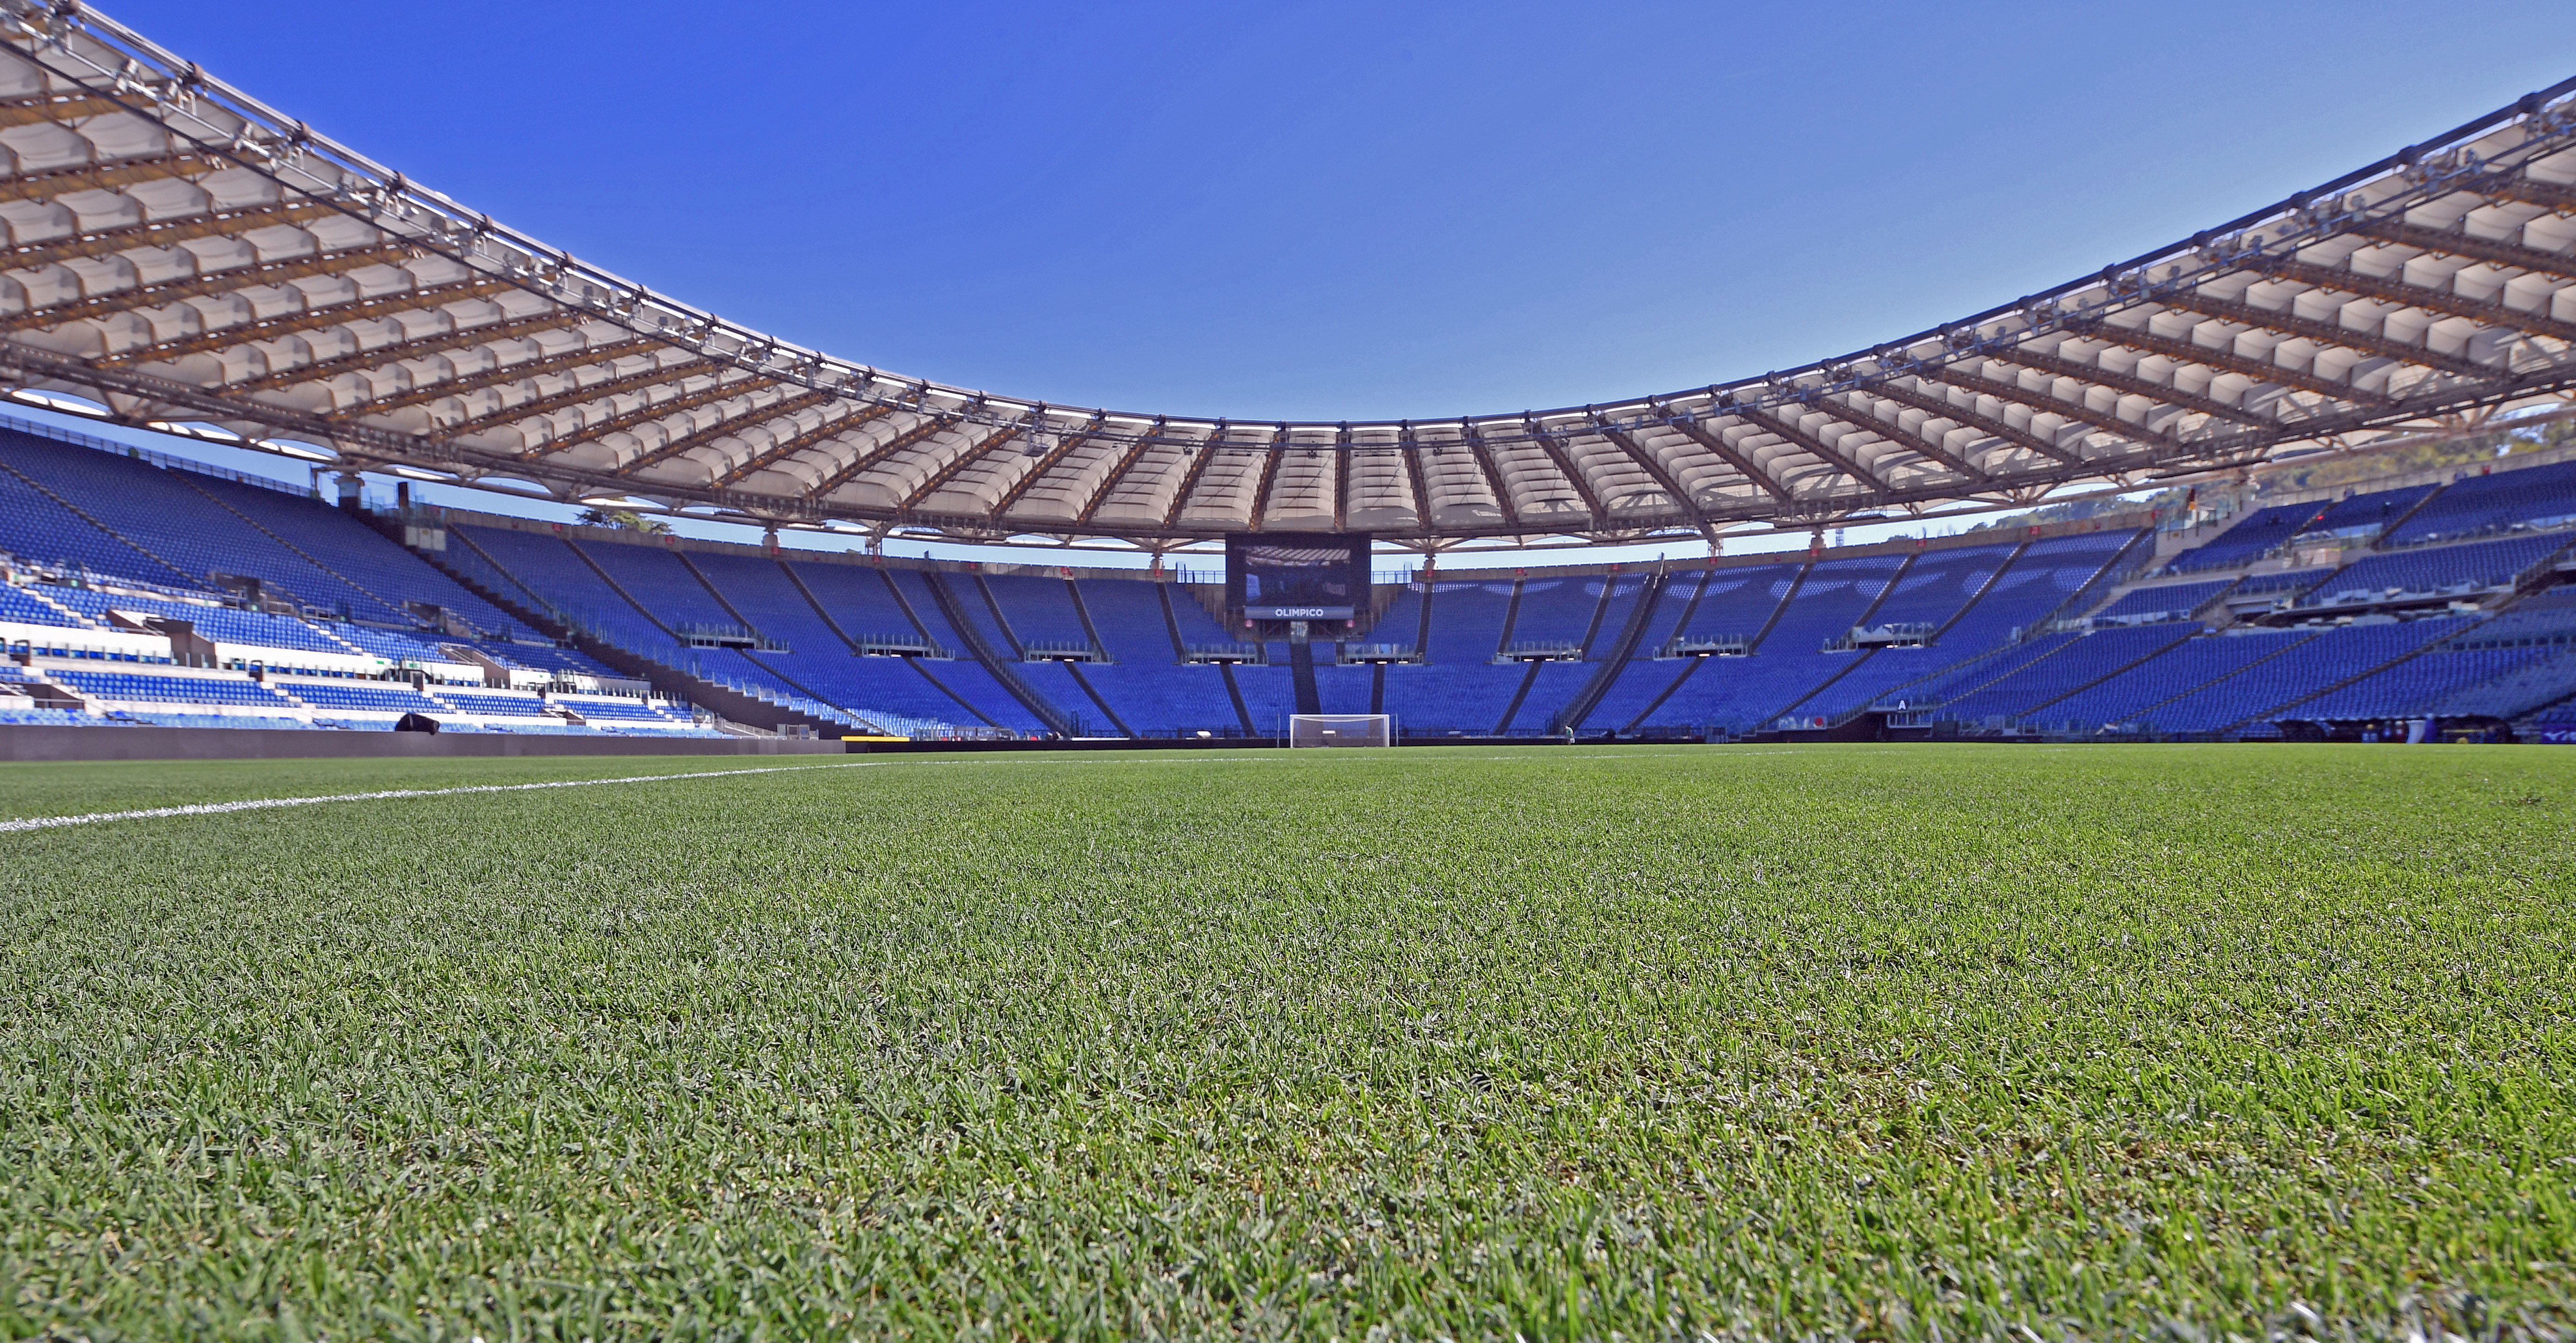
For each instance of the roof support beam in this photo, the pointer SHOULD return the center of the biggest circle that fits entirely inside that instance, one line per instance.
(1970, 417)
(505, 374)
(776, 410)
(788, 447)
(2058, 367)
(1126, 463)
(110, 176)
(2490, 250)
(31, 111)
(943, 455)
(1269, 473)
(2323, 333)
(218, 282)
(966, 459)
(2228, 361)
(401, 350)
(2449, 303)
(1554, 446)
(931, 422)
(2051, 403)
(1483, 453)
(1345, 459)
(616, 385)
(719, 390)
(1716, 444)
(1861, 419)
(1065, 443)
(1652, 466)
(1208, 448)
(1787, 426)
(158, 233)
(2522, 186)
(1411, 448)
(425, 299)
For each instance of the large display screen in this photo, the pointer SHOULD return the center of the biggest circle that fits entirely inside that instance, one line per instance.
(1301, 578)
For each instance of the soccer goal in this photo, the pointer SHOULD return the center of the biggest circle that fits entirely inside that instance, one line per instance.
(1341, 729)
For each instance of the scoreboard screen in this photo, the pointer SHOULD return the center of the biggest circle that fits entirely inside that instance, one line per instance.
(1316, 577)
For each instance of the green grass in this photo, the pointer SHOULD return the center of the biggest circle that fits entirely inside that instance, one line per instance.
(2200, 1041)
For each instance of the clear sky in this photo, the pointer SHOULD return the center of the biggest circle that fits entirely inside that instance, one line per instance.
(1328, 211)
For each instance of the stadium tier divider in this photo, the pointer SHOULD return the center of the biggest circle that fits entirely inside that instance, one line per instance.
(968, 675)
(1641, 602)
(953, 608)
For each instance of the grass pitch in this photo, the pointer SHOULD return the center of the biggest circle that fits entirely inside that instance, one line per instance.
(1750, 1041)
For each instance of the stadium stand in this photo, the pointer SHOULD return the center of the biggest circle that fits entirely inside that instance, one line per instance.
(1934, 592)
(361, 696)
(617, 714)
(1040, 614)
(2416, 686)
(490, 705)
(1939, 615)
(44, 531)
(223, 624)
(2533, 498)
(2176, 673)
(140, 688)
(121, 567)
(1738, 695)
(808, 650)
(2519, 691)
(1148, 629)
(1462, 686)
(2439, 571)
(356, 550)
(560, 662)
(2315, 664)
(2366, 515)
(970, 677)
(157, 513)
(2166, 601)
(2074, 664)
(551, 572)
(2250, 537)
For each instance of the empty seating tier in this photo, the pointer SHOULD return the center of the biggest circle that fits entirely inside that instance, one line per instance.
(117, 562)
(2534, 497)
(2434, 571)
(140, 688)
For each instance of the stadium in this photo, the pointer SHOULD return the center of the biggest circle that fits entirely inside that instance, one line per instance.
(2012, 929)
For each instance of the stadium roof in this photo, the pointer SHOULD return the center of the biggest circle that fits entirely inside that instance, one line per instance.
(180, 256)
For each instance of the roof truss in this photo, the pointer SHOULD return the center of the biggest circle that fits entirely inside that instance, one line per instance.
(833, 426)
(468, 295)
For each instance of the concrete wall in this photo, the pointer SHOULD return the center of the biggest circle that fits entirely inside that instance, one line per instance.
(48, 742)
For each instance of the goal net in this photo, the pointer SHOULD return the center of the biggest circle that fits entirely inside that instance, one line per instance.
(1341, 729)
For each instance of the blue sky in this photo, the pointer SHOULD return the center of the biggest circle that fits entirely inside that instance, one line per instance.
(1331, 211)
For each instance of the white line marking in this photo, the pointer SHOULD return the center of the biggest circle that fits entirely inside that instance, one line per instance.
(1064, 758)
(264, 803)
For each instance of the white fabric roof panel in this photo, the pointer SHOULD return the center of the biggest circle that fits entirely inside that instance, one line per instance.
(177, 253)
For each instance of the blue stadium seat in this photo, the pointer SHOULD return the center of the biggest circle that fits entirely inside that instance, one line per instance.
(2461, 569)
(143, 688)
(2166, 601)
(362, 696)
(2249, 538)
(2534, 497)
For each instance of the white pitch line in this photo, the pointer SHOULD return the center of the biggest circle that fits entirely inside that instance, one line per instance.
(1067, 758)
(265, 803)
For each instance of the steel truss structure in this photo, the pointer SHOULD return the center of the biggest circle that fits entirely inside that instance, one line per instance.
(180, 256)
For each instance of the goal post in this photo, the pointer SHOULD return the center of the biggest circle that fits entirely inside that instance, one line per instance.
(1341, 729)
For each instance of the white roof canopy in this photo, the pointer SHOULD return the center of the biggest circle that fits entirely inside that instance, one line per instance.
(176, 253)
